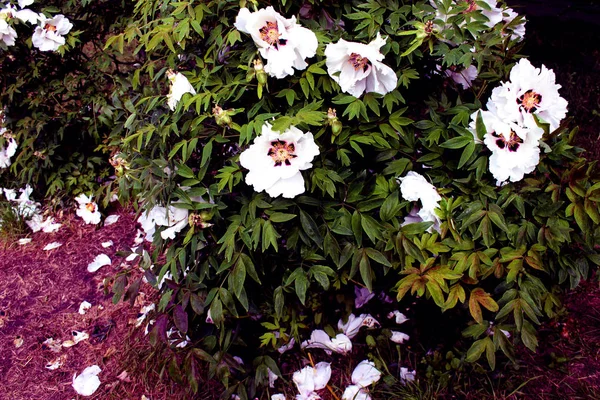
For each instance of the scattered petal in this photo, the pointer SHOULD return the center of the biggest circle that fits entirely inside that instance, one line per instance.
(18, 342)
(84, 306)
(399, 337)
(56, 363)
(365, 374)
(111, 219)
(406, 375)
(53, 345)
(77, 337)
(107, 244)
(24, 241)
(52, 246)
(363, 295)
(88, 382)
(99, 262)
(400, 318)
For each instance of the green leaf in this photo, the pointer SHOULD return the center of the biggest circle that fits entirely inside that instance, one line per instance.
(310, 227)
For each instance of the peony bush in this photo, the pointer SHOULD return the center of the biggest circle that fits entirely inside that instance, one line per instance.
(311, 175)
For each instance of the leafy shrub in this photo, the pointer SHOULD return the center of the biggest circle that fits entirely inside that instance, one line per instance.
(243, 272)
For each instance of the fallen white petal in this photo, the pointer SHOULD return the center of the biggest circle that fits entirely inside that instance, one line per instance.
(53, 345)
(56, 363)
(84, 306)
(24, 241)
(77, 337)
(99, 262)
(107, 244)
(87, 383)
(111, 219)
(52, 246)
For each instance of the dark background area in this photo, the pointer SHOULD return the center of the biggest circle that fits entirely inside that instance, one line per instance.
(565, 36)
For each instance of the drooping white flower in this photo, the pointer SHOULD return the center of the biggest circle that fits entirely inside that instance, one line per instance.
(530, 91)
(282, 42)
(179, 86)
(100, 261)
(275, 160)
(38, 223)
(88, 382)
(518, 31)
(272, 378)
(362, 296)
(177, 339)
(49, 36)
(515, 148)
(319, 339)
(415, 187)
(365, 374)
(88, 209)
(7, 36)
(463, 77)
(357, 67)
(24, 14)
(287, 347)
(175, 219)
(308, 380)
(400, 318)
(11, 145)
(399, 337)
(354, 323)
(406, 375)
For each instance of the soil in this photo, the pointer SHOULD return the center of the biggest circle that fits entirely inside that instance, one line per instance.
(40, 294)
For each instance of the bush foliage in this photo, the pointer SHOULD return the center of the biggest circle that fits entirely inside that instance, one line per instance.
(269, 269)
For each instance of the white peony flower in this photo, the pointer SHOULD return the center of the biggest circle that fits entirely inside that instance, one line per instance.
(464, 78)
(37, 223)
(365, 374)
(179, 86)
(357, 67)
(406, 375)
(530, 91)
(493, 14)
(87, 383)
(518, 31)
(400, 318)
(49, 35)
(24, 15)
(11, 145)
(174, 218)
(415, 187)
(354, 323)
(399, 337)
(515, 149)
(25, 3)
(88, 209)
(309, 379)
(275, 160)
(8, 36)
(282, 42)
(319, 339)
(354, 392)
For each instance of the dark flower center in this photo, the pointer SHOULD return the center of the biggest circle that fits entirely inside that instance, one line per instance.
(359, 62)
(512, 143)
(530, 101)
(270, 34)
(282, 152)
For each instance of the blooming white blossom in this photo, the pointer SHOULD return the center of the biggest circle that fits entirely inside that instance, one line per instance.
(492, 12)
(24, 241)
(357, 67)
(49, 36)
(463, 77)
(88, 209)
(179, 86)
(515, 149)
(308, 380)
(275, 160)
(25, 3)
(282, 42)
(406, 375)
(11, 145)
(399, 337)
(354, 323)
(319, 339)
(400, 318)
(88, 382)
(365, 374)
(415, 187)
(24, 14)
(7, 36)
(175, 219)
(100, 261)
(530, 91)
(363, 295)
(518, 31)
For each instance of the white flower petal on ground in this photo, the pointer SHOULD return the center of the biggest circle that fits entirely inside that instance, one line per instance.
(400, 318)
(49, 36)
(88, 382)
(354, 392)
(107, 244)
(406, 375)
(354, 323)
(84, 306)
(56, 363)
(88, 209)
(179, 86)
(308, 380)
(530, 91)
(52, 246)
(357, 67)
(37, 223)
(399, 337)
(282, 42)
(365, 374)
(99, 261)
(77, 337)
(111, 219)
(362, 296)
(515, 148)
(319, 339)
(414, 187)
(275, 160)
(24, 241)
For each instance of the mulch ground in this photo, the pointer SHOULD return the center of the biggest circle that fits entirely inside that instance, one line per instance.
(40, 294)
